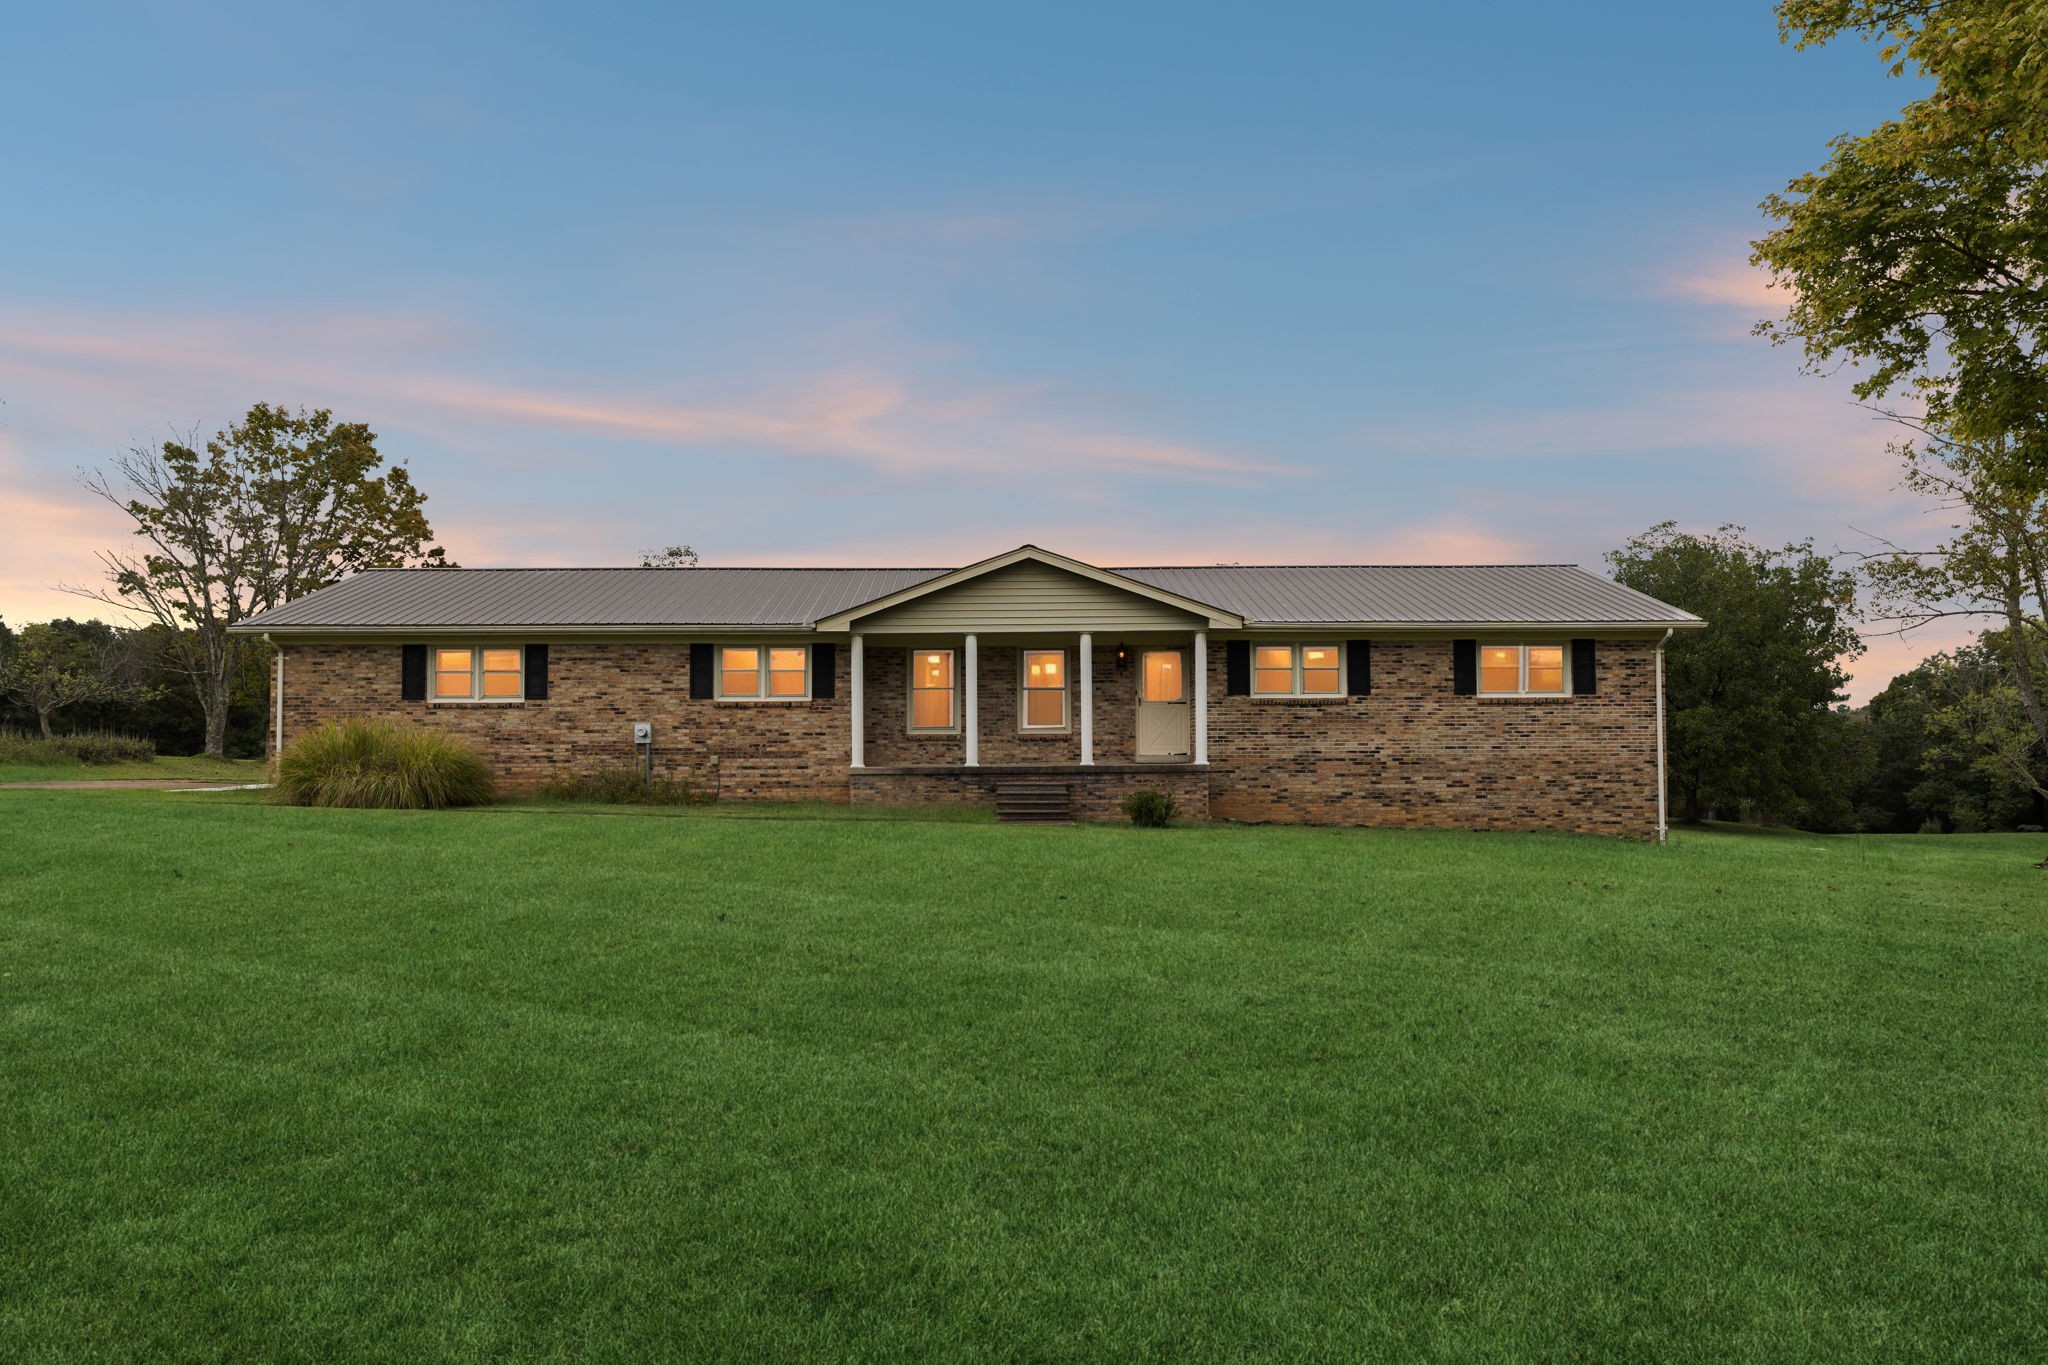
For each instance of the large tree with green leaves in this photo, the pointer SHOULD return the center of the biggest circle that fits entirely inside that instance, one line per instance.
(1749, 696)
(1919, 250)
(279, 504)
(45, 668)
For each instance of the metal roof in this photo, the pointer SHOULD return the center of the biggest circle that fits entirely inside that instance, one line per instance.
(1415, 594)
(1309, 594)
(585, 597)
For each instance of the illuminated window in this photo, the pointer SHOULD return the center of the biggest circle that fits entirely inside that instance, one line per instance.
(1522, 670)
(931, 689)
(1297, 671)
(748, 672)
(1163, 680)
(1045, 690)
(479, 674)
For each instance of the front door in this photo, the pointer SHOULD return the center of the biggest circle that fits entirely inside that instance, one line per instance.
(1165, 717)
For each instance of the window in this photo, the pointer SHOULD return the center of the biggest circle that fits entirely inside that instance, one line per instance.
(1163, 680)
(931, 689)
(751, 672)
(1297, 671)
(1522, 670)
(479, 674)
(1045, 690)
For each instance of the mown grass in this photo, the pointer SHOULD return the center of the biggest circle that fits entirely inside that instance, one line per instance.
(531, 1084)
(197, 767)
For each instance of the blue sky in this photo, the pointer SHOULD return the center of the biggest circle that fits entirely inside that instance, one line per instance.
(911, 284)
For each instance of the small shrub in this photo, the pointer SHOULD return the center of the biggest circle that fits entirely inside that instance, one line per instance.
(1150, 809)
(619, 787)
(1931, 825)
(380, 765)
(2026, 829)
(17, 746)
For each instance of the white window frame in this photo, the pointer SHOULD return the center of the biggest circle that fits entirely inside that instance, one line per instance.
(761, 673)
(911, 689)
(1294, 650)
(476, 675)
(1522, 648)
(1025, 689)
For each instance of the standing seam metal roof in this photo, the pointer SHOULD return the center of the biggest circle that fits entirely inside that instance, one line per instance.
(1364, 594)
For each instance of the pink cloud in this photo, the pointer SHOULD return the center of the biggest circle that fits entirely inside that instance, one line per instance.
(1736, 284)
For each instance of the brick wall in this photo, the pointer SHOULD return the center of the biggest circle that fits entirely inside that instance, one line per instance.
(1412, 753)
(1097, 793)
(1409, 754)
(736, 749)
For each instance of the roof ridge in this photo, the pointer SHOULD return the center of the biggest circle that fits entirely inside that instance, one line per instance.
(1541, 564)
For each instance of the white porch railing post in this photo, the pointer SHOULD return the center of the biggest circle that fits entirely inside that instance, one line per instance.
(1201, 696)
(859, 697)
(972, 727)
(1087, 698)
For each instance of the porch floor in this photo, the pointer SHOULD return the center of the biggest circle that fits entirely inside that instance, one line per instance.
(1120, 767)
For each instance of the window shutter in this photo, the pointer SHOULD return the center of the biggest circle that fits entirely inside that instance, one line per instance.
(1583, 668)
(536, 672)
(700, 673)
(1358, 665)
(412, 672)
(1237, 668)
(824, 659)
(1465, 667)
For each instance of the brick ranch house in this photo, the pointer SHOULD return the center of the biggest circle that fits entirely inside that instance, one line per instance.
(1469, 696)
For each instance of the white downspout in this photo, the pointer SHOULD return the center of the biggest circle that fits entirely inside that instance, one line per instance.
(277, 710)
(1663, 786)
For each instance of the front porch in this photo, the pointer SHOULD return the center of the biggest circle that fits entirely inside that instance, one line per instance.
(1095, 792)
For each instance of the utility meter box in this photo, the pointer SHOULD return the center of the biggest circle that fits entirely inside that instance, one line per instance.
(643, 732)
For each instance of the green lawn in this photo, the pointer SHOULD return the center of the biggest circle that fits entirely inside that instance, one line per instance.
(525, 1084)
(198, 768)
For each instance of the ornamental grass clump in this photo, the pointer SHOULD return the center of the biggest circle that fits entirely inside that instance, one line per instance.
(380, 765)
(93, 747)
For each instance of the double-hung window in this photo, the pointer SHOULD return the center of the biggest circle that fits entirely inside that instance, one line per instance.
(1522, 670)
(481, 673)
(932, 690)
(1297, 671)
(764, 672)
(1044, 704)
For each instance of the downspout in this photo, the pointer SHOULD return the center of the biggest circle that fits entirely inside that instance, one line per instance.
(1663, 790)
(277, 708)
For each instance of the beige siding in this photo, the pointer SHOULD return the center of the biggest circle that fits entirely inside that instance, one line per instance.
(1029, 596)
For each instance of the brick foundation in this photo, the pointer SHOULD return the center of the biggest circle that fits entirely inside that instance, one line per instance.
(1098, 793)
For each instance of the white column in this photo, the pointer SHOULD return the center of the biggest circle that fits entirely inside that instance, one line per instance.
(1087, 698)
(1201, 696)
(859, 667)
(972, 693)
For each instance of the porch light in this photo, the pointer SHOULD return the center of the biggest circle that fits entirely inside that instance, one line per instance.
(1123, 657)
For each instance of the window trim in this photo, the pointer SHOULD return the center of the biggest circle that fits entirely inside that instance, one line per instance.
(718, 692)
(1522, 648)
(911, 689)
(1295, 649)
(1025, 689)
(476, 676)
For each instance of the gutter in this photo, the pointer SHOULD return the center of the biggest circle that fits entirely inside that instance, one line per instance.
(1663, 784)
(277, 710)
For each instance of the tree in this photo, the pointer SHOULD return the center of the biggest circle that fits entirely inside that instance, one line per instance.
(672, 557)
(268, 510)
(1749, 696)
(1993, 563)
(46, 669)
(1919, 250)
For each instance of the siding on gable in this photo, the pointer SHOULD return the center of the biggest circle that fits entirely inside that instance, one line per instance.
(1029, 596)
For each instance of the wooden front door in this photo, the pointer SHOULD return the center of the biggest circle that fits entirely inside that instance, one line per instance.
(1165, 715)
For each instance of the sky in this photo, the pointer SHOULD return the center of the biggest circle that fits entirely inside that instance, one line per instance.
(913, 284)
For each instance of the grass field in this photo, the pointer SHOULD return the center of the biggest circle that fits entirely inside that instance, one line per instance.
(198, 768)
(524, 1084)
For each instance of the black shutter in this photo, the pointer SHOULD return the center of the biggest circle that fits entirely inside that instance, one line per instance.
(412, 672)
(1237, 668)
(536, 672)
(1583, 668)
(1358, 664)
(1465, 667)
(700, 672)
(824, 659)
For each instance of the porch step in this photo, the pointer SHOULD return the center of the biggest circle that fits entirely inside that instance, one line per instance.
(1034, 803)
